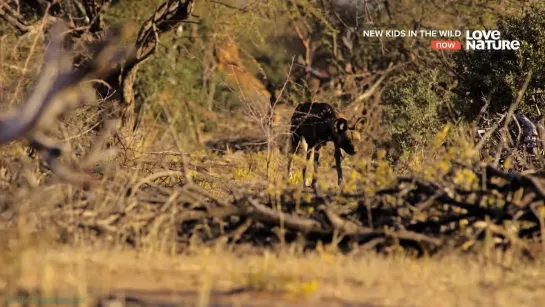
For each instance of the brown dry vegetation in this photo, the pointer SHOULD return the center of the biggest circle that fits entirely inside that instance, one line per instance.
(194, 206)
(285, 277)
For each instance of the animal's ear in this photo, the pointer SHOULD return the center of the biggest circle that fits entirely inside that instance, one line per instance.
(358, 121)
(341, 125)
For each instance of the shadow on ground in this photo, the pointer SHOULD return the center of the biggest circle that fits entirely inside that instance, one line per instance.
(238, 297)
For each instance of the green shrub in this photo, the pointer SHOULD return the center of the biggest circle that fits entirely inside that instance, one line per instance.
(500, 74)
(416, 105)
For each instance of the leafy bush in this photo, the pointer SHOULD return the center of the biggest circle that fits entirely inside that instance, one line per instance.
(500, 74)
(416, 106)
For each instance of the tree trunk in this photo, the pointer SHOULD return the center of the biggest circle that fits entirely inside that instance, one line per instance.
(168, 15)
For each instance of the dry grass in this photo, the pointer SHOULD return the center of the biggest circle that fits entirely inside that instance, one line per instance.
(121, 236)
(206, 273)
(91, 266)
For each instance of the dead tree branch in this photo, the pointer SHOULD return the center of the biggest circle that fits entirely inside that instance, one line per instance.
(59, 88)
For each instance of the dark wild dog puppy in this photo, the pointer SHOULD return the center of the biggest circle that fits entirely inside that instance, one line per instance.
(316, 124)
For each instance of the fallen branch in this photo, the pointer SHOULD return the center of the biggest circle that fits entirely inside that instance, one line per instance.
(265, 214)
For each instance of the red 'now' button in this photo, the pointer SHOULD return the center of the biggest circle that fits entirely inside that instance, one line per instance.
(446, 45)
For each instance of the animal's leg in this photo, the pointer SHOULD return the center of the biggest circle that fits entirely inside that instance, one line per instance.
(292, 149)
(316, 165)
(309, 152)
(338, 165)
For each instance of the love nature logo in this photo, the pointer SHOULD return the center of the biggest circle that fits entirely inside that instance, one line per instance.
(478, 40)
(474, 39)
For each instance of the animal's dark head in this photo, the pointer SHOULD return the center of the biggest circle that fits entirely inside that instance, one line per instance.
(347, 135)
